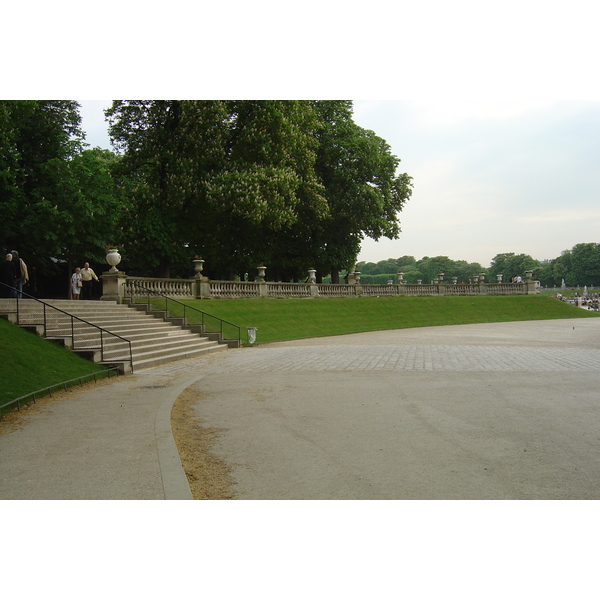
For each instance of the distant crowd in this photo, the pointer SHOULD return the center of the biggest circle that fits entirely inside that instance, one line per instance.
(589, 301)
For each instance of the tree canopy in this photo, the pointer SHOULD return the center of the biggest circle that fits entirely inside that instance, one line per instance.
(292, 184)
(38, 139)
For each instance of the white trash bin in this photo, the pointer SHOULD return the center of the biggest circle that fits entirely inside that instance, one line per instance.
(251, 334)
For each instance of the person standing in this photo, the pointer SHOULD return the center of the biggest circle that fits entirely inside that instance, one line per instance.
(21, 273)
(8, 276)
(76, 283)
(87, 276)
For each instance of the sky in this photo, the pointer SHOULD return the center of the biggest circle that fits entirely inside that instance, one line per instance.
(517, 175)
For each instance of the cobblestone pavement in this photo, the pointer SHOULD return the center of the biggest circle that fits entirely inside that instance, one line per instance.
(397, 358)
(491, 411)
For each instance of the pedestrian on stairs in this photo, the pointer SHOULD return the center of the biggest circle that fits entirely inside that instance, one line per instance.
(87, 276)
(21, 273)
(76, 284)
(8, 274)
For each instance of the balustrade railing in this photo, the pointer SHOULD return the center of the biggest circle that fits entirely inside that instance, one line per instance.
(462, 289)
(288, 290)
(180, 288)
(234, 289)
(380, 290)
(336, 290)
(508, 289)
(421, 290)
(200, 287)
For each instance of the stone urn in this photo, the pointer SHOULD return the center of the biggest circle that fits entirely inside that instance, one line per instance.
(312, 278)
(261, 273)
(113, 258)
(198, 266)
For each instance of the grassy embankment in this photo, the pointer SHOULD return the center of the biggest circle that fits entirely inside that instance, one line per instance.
(30, 363)
(294, 319)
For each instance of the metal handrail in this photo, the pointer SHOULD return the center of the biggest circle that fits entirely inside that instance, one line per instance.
(54, 385)
(73, 318)
(152, 293)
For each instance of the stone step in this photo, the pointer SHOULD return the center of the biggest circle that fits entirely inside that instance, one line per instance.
(146, 350)
(132, 335)
(153, 340)
(144, 363)
(164, 341)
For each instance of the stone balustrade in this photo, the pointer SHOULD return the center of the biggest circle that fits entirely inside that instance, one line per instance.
(117, 285)
(136, 287)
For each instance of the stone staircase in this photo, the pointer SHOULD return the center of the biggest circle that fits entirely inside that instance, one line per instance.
(154, 340)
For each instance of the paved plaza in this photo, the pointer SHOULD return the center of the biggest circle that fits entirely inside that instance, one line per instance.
(490, 411)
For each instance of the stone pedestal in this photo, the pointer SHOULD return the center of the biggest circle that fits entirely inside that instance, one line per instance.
(113, 286)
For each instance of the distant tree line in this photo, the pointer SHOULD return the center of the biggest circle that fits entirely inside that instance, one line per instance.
(578, 267)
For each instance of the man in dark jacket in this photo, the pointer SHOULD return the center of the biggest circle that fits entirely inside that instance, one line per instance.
(7, 276)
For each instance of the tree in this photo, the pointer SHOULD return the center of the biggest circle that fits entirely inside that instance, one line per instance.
(512, 265)
(561, 268)
(463, 270)
(431, 267)
(38, 140)
(545, 273)
(364, 194)
(585, 264)
(219, 177)
(97, 209)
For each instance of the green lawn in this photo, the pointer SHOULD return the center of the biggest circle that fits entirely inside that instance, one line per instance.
(294, 319)
(30, 363)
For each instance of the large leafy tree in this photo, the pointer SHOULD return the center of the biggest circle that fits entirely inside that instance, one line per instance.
(149, 135)
(511, 265)
(97, 207)
(585, 264)
(217, 178)
(363, 190)
(265, 189)
(38, 139)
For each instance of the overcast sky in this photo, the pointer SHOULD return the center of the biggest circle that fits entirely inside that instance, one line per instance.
(493, 108)
(517, 176)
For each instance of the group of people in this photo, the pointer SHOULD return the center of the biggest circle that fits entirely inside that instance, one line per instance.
(13, 274)
(589, 301)
(81, 282)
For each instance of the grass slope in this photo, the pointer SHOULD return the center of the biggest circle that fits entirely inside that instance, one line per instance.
(295, 319)
(30, 363)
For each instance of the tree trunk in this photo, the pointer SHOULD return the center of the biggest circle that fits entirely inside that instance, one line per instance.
(164, 269)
